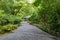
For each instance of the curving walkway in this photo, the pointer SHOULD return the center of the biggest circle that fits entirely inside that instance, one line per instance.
(27, 32)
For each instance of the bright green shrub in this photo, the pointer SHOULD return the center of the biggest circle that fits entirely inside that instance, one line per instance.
(14, 19)
(7, 28)
(9, 19)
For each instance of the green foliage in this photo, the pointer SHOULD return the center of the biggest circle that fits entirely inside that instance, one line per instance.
(34, 18)
(8, 16)
(5, 19)
(7, 28)
(43, 12)
(13, 12)
(14, 19)
(48, 15)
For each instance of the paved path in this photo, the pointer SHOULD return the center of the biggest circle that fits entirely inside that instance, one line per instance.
(27, 32)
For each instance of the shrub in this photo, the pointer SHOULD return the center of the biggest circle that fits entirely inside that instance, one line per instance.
(7, 28)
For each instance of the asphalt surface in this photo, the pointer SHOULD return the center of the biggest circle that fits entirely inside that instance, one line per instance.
(27, 32)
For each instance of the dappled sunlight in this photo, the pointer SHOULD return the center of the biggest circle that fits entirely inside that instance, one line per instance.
(30, 1)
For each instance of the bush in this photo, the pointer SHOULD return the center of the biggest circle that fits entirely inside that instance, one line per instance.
(7, 28)
(14, 19)
(6, 19)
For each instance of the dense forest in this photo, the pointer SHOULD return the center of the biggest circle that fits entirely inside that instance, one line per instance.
(44, 13)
